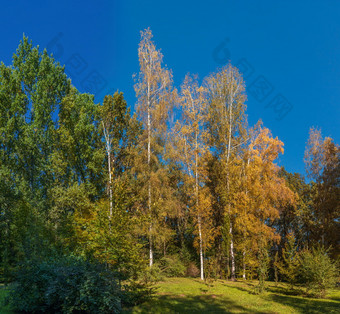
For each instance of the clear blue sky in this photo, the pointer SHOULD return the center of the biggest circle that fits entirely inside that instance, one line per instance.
(288, 50)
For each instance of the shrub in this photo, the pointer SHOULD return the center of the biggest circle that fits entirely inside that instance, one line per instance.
(153, 274)
(135, 293)
(318, 271)
(211, 268)
(65, 285)
(192, 270)
(171, 266)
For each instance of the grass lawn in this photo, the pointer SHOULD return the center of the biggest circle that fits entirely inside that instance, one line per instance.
(184, 295)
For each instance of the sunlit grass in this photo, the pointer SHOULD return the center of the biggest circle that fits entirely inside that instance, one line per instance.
(184, 295)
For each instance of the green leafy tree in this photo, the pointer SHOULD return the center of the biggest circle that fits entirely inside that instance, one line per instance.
(31, 91)
(113, 241)
(318, 271)
(120, 132)
(77, 162)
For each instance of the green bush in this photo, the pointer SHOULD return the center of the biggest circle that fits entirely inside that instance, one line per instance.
(150, 275)
(66, 285)
(318, 271)
(134, 293)
(211, 268)
(171, 266)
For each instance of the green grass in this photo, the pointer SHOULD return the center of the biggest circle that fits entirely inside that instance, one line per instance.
(184, 295)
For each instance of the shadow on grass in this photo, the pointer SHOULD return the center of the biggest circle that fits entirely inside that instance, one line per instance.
(287, 290)
(306, 305)
(248, 287)
(191, 304)
(294, 299)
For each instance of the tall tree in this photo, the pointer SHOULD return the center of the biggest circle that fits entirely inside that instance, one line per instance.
(262, 192)
(77, 159)
(297, 218)
(191, 145)
(227, 122)
(31, 91)
(154, 91)
(322, 158)
(120, 131)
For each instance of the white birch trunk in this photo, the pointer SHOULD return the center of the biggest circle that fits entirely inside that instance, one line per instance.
(199, 216)
(201, 247)
(149, 183)
(230, 222)
(110, 183)
(232, 252)
(108, 151)
(244, 265)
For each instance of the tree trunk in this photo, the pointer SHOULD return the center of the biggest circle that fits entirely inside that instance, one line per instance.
(149, 186)
(244, 265)
(228, 178)
(201, 247)
(110, 183)
(150, 247)
(232, 253)
(197, 208)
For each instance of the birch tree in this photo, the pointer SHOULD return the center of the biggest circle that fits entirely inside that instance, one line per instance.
(227, 123)
(116, 126)
(154, 92)
(191, 142)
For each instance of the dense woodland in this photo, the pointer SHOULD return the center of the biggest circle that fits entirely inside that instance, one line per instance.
(183, 186)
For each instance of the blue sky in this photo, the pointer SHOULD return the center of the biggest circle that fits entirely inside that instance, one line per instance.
(289, 52)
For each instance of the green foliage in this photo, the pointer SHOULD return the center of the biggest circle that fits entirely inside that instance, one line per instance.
(50, 156)
(289, 266)
(121, 129)
(167, 266)
(65, 284)
(211, 268)
(262, 270)
(135, 293)
(276, 266)
(318, 271)
(111, 241)
(171, 266)
(152, 274)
